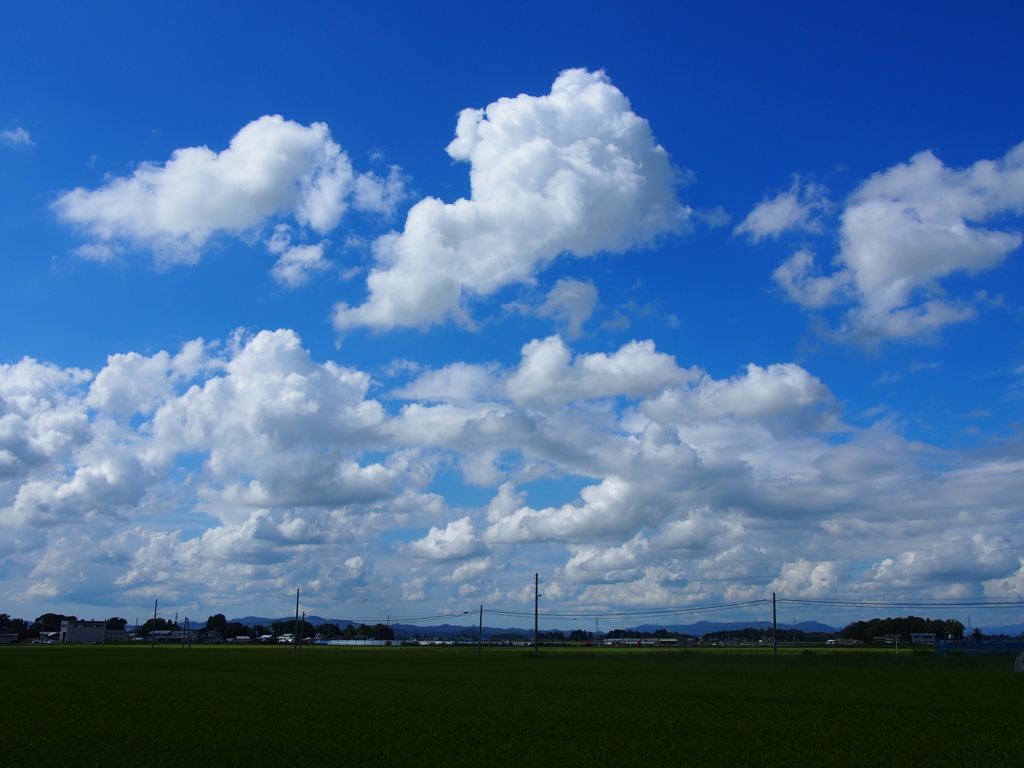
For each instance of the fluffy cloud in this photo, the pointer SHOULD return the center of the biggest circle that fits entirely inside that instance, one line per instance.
(272, 167)
(798, 208)
(803, 282)
(901, 232)
(610, 560)
(16, 137)
(548, 374)
(274, 416)
(42, 417)
(458, 384)
(772, 396)
(653, 472)
(457, 540)
(700, 530)
(571, 303)
(297, 263)
(133, 384)
(805, 579)
(575, 171)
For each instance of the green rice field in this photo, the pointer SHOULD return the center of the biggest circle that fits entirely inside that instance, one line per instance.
(116, 705)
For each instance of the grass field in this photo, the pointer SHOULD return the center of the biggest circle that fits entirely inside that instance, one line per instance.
(112, 706)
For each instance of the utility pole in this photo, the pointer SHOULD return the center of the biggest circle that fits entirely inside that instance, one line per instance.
(295, 637)
(152, 636)
(775, 629)
(536, 603)
(480, 633)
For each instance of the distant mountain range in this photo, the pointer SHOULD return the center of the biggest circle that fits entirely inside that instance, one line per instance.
(1013, 630)
(702, 628)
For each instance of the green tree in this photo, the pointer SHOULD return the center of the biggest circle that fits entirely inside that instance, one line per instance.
(20, 626)
(160, 625)
(217, 623)
(116, 623)
(865, 631)
(329, 631)
(551, 636)
(237, 629)
(954, 629)
(9, 625)
(50, 622)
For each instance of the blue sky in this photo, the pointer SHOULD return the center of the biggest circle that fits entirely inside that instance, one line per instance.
(676, 306)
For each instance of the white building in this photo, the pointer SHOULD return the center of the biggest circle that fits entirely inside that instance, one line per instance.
(82, 631)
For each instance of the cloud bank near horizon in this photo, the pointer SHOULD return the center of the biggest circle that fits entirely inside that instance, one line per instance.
(242, 468)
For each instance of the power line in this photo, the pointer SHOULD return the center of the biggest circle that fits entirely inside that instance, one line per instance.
(633, 614)
(980, 602)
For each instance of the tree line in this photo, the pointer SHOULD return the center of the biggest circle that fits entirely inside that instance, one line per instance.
(903, 627)
(863, 631)
(630, 634)
(48, 622)
(218, 623)
(302, 629)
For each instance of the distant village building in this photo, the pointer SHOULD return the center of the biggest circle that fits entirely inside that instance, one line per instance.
(647, 642)
(173, 636)
(83, 631)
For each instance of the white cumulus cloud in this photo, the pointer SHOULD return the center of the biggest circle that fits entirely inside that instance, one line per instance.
(575, 171)
(296, 264)
(904, 230)
(272, 167)
(570, 302)
(549, 375)
(457, 540)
